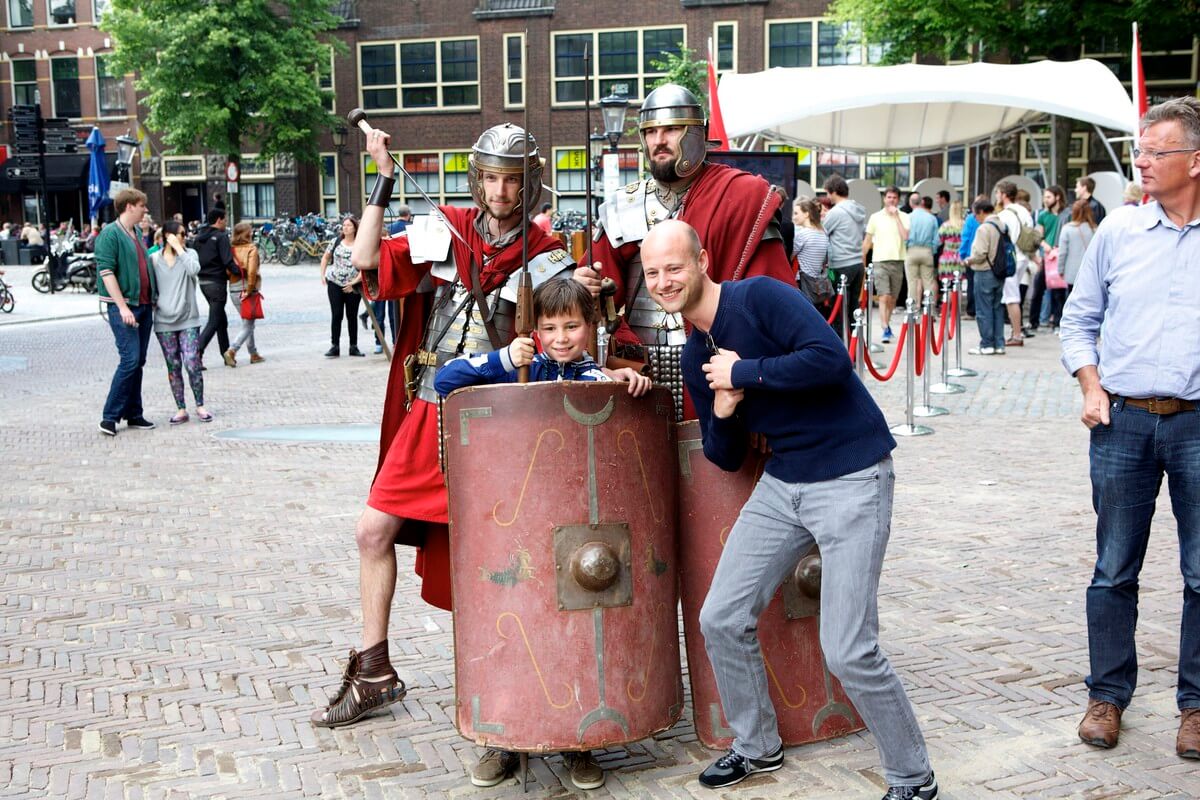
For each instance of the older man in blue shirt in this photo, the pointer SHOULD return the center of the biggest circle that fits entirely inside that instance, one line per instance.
(919, 263)
(1141, 401)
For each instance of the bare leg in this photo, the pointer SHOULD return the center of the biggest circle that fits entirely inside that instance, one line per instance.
(376, 538)
(1014, 319)
(886, 303)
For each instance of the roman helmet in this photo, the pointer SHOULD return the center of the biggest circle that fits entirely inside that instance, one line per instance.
(500, 149)
(670, 105)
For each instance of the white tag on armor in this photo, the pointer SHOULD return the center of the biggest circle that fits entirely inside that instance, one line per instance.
(428, 239)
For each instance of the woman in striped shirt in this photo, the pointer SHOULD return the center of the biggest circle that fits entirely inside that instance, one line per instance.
(810, 248)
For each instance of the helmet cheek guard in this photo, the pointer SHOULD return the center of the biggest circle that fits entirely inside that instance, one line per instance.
(671, 105)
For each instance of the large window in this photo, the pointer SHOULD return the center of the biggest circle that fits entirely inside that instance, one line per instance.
(64, 76)
(99, 7)
(1169, 59)
(441, 174)
(837, 44)
(889, 169)
(24, 81)
(789, 44)
(258, 200)
(61, 12)
(110, 90)
(514, 70)
(570, 176)
(426, 74)
(623, 61)
(325, 80)
(20, 13)
(329, 186)
(841, 162)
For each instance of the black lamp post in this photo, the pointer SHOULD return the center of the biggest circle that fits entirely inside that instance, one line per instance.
(126, 147)
(613, 109)
(339, 142)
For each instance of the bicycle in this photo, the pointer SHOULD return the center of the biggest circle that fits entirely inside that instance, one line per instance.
(7, 301)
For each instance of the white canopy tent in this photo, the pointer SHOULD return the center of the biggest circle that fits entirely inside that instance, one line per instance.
(918, 108)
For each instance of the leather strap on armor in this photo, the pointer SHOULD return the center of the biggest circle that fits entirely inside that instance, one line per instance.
(485, 313)
(381, 195)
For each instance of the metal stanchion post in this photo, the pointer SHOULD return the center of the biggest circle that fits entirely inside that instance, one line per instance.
(845, 310)
(945, 386)
(926, 409)
(959, 371)
(860, 350)
(910, 428)
(872, 347)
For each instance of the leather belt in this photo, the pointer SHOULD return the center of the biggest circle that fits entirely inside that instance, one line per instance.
(1163, 406)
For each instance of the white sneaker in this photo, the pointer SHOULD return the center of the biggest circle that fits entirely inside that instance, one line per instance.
(982, 351)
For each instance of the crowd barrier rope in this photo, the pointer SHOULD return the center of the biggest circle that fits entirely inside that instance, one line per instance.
(909, 427)
(949, 309)
(925, 356)
(887, 376)
(959, 289)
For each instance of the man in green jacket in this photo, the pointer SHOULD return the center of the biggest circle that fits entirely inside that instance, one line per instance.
(127, 288)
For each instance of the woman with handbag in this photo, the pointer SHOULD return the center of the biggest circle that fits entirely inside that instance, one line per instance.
(341, 280)
(810, 247)
(246, 297)
(177, 318)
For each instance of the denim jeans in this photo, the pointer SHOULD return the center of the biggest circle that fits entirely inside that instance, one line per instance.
(218, 322)
(989, 311)
(850, 520)
(1129, 457)
(385, 315)
(125, 394)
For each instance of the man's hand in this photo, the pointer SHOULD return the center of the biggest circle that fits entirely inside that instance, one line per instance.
(521, 351)
(1096, 403)
(719, 369)
(725, 402)
(127, 316)
(589, 277)
(639, 384)
(377, 146)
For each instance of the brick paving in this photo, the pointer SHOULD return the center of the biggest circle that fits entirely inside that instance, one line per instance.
(175, 604)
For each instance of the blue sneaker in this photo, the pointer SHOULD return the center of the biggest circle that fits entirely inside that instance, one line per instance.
(926, 791)
(733, 767)
(887, 336)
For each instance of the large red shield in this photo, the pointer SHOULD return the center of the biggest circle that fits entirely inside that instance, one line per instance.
(809, 702)
(563, 564)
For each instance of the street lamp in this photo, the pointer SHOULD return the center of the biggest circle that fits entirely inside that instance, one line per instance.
(339, 142)
(126, 147)
(613, 109)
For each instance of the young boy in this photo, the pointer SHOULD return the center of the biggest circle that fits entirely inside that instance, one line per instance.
(565, 315)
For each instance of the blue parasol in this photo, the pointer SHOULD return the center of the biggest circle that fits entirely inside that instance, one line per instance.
(97, 174)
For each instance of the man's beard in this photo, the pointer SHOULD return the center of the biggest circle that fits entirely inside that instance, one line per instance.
(664, 171)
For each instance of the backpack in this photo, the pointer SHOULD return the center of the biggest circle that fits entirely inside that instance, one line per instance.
(1028, 239)
(1005, 265)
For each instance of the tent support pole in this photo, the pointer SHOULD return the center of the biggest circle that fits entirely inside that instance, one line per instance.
(1037, 150)
(1053, 149)
(1111, 153)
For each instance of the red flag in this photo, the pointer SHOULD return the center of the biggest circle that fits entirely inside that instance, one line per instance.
(1140, 102)
(716, 123)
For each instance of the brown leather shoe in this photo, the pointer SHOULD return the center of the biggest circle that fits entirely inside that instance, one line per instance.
(1014, 342)
(368, 683)
(1101, 724)
(1187, 744)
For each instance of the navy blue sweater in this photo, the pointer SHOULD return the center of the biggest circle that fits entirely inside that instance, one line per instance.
(800, 389)
(497, 367)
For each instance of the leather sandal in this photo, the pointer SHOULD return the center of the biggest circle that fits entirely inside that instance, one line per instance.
(361, 694)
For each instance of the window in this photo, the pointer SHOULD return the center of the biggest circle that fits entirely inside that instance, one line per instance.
(99, 7)
(20, 13)
(325, 81)
(570, 176)
(110, 90)
(64, 75)
(514, 70)
(956, 166)
(1169, 58)
(841, 162)
(725, 47)
(887, 169)
(804, 159)
(24, 80)
(434, 73)
(258, 200)
(441, 174)
(789, 44)
(837, 44)
(623, 60)
(329, 186)
(61, 12)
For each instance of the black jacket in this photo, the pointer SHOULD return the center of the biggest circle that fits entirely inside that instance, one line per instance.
(216, 255)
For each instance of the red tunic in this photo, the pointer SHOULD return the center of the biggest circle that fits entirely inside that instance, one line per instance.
(730, 210)
(408, 479)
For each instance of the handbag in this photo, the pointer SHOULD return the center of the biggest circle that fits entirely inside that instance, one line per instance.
(252, 306)
(1054, 279)
(818, 290)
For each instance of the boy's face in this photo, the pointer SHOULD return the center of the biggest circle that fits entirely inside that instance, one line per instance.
(564, 336)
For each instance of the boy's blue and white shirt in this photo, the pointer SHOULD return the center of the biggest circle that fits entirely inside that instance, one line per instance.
(497, 367)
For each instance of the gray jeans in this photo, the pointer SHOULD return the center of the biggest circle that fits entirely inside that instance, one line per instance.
(246, 335)
(850, 520)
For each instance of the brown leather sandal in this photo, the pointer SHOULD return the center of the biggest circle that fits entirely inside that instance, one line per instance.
(361, 693)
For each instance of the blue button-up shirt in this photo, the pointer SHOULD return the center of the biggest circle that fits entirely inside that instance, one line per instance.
(922, 229)
(1141, 279)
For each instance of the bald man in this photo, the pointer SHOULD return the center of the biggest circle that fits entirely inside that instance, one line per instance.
(760, 359)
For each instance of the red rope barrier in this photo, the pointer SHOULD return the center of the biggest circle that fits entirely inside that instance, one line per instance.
(862, 297)
(837, 306)
(922, 335)
(939, 341)
(853, 351)
(953, 315)
(895, 359)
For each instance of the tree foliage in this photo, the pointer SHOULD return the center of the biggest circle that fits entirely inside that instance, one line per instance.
(220, 75)
(683, 70)
(1014, 30)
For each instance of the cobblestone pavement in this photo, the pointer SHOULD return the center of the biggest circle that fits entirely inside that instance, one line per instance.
(175, 604)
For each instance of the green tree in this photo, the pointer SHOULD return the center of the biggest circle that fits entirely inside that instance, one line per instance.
(682, 69)
(219, 75)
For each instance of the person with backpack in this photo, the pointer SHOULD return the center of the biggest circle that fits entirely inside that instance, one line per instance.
(988, 261)
(1018, 225)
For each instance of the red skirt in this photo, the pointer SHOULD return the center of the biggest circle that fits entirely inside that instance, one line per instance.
(410, 486)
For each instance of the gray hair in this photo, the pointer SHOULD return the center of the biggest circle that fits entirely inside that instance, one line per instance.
(1184, 110)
